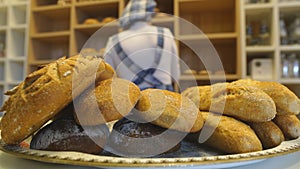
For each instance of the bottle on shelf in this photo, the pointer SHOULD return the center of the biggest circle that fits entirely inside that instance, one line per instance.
(283, 32)
(249, 34)
(264, 33)
(293, 66)
(295, 31)
(284, 66)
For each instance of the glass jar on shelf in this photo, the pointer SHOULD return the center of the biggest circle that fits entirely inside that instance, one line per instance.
(264, 34)
(293, 65)
(284, 66)
(283, 32)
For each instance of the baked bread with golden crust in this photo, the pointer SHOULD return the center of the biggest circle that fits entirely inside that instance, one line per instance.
(230, 135)
(268, 133)
(285, 100)
(45, 92)
(240, 101)
(110, 100)
(169, 110)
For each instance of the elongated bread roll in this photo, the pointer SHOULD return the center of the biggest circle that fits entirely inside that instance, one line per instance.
(237, 100)
(230, 135)
(45, 92)
(169, 110)
(110, 100)
(269, 133)
(289, 125)
(285, 100)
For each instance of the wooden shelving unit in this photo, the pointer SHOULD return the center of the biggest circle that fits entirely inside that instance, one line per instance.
(214, 26)
(57, 30)
(14, 17)
(272, 11)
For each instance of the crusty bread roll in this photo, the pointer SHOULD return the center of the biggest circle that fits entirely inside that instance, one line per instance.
(289, 125)
(45, 92)
(230, 135)
(90, 21)
(269, 133)
(110, 100)
(169, 110)
(285, 100)
(237, 100)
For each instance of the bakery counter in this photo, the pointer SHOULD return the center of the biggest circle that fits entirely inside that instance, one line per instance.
(7, 161)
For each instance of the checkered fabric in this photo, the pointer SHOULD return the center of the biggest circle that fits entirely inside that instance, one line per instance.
(141, 74)
(137, 10)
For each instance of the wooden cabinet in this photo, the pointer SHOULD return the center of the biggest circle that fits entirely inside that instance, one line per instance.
(58, 30)
(209, 36)
(14, 16)
(276, 17)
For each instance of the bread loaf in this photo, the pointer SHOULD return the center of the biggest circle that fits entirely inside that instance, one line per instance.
(45, 92)
(65, 135)
(237, 100)
(269, 133)
(285, 100)
(289, 125)
(230, 135)
(169, 110)
(110, 100)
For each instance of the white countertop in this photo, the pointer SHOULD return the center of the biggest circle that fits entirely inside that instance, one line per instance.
(7, 161)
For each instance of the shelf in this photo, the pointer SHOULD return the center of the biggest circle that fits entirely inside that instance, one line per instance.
(18, 15)
(52, 36)
(289, 80)
(287, 5)
(48, 46)
(90, 29)
(210, 16)
(96, 10)
(207, 77)
(259, 49)
(51, 8)
(164, 21)
(258, 6)
(50, 19)
(290, 48)
(208, 36)
(93, 3)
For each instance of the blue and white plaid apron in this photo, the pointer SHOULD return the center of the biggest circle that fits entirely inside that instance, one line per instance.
(142, 75)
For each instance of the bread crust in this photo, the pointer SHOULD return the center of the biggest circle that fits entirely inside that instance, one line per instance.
(240, 101)
(289, 125)
(231, 135)
(45, 92)
(269, 133)
(114, 98)
(169, 110)
(287, 103)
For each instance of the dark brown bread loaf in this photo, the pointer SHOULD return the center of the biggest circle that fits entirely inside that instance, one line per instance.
(65, 135)
(136, 138)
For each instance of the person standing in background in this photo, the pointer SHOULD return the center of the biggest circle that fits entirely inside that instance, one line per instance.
(142, 53)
